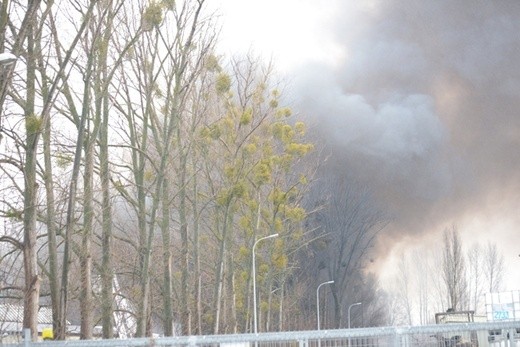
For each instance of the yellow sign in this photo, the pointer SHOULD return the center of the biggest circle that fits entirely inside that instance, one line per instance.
(47, 334)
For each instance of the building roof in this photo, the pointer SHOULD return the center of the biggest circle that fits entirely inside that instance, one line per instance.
(10, 313)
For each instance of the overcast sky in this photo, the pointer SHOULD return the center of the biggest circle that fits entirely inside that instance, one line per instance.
(418, 99)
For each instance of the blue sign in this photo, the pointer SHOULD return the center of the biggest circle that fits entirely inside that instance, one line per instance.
(500, 315)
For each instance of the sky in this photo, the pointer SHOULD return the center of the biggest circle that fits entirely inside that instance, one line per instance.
(419, 100)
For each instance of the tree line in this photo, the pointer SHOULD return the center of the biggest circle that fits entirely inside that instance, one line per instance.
(138, 163)
(446, 277)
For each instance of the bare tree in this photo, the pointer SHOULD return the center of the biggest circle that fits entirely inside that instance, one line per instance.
(475, 261)
(454, 269)
(347, 224)
(405, 287)
(158, 76)
(422, 274)
(493, 267)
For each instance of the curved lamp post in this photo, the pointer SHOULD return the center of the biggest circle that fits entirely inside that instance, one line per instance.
(7, 58)
(356, 304)
(254, 279)
(318, 302)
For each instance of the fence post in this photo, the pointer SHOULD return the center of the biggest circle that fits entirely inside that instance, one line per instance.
(397, 337)
(405, 338)
(27, 337)
(511, 337)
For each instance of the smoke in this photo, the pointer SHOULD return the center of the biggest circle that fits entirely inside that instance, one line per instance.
(424, 107)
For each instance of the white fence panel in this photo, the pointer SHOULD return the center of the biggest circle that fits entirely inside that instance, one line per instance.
(497, 334)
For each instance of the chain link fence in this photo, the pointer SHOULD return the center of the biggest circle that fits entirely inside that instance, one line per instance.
(10, 337)
(496, 334)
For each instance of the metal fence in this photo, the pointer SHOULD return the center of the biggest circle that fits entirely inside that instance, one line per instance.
(445, 335)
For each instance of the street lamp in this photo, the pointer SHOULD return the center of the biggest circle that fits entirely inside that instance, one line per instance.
(318, 301)
(7, 58)
(254, 279)
(356, 304)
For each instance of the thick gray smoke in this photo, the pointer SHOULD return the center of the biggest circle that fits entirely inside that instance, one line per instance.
(424, 107)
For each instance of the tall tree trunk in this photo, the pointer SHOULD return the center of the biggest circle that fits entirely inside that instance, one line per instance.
(219, 280)
(85, 252)
(107, 276)
(50, 217)
(71, 204)
(146, 215)
(33, 127)
(102, 108)
(197, 279)
(231, 315)
(167, 259)
(185, 300)
(4, 16)
(91, 136)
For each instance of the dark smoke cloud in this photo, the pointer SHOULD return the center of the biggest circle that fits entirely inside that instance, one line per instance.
(424, 107)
